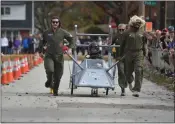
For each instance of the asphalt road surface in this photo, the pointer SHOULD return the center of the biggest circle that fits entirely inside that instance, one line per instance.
(27, 100)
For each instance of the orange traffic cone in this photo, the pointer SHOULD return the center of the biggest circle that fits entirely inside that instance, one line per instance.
(9, 72)
(15, 71)
(26, 64)
(4, 74)
(22, 65)
(35, 60)
(19, 68)
(31, 61)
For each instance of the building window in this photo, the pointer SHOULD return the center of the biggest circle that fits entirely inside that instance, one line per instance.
(5, 10)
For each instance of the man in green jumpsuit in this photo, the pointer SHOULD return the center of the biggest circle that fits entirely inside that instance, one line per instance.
(133, 46)
(121, 73)
(54, 49)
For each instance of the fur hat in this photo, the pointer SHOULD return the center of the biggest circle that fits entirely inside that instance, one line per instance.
(136, 22)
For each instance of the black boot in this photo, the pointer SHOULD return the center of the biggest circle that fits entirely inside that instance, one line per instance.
(55, 93)
(49, 81)
(123, 92)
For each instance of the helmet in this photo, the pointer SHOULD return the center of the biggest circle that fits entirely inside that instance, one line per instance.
(93, 49)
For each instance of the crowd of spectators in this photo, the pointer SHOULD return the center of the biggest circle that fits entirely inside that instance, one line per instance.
(19, 44)
(164, 42)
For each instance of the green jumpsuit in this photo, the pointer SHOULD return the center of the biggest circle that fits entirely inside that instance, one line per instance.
(133, 45)
(54, 59)
(121, 72)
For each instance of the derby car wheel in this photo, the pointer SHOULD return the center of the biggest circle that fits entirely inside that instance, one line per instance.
(70, 83)
(94, 92)
(72, 86)
(72, 89)
(107, 91)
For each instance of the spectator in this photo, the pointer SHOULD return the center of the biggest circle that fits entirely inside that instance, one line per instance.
(16, 45)
(4, 44)
(164, 35)
(36, 41)
(31, 44)
(171, 39)
(25, 45)
(82, 41)
(157, 38)
(171, 29)
(171, 44)
(10, 45)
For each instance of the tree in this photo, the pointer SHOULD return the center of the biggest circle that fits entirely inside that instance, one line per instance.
(83, 14)
(120, 11)
(44, 10)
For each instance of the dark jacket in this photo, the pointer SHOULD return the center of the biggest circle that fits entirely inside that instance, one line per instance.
(53, 41)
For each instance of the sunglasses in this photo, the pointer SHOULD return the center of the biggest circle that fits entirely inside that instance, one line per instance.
(55, 22)
(121, 29)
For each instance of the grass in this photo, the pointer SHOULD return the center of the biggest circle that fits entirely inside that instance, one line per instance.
(160, 79)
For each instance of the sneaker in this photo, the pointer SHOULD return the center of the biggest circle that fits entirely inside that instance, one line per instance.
(55, 94)
(123, 92)
(51, 91)
(135, 94)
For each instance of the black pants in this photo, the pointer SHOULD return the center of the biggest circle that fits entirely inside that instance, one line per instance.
(25, 50)
(4, 50)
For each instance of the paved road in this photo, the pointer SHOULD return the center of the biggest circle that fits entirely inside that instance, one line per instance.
(27, 100)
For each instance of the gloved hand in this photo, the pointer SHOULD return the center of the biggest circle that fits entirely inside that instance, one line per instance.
(65, 48)
(87, 56)
(41, 55)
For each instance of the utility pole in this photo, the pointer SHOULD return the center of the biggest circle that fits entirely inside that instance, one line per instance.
(162, 14)
(141, 8)
(126, 11)
(33, 18)
(165, 14)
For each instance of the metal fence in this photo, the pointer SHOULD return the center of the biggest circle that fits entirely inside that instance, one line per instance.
(157, 62)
